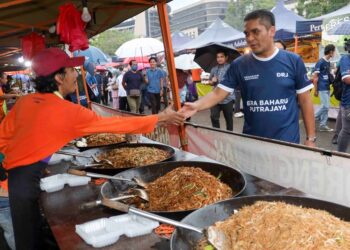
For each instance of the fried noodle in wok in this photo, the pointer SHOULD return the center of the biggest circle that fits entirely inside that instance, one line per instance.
(277, 225)
(104, 139)
(185, 188)
(134, 156)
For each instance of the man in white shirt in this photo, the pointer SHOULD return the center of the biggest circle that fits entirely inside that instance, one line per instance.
(123, 102)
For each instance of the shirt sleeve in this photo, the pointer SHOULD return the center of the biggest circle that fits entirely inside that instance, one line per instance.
(318, 67)
(345, 67)
(88, 122)
(302, 82)
(231, 79)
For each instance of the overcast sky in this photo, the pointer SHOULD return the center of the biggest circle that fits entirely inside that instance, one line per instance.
(176, 4)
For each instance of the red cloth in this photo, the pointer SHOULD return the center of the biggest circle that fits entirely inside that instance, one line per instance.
(32, 44)
(71, 28)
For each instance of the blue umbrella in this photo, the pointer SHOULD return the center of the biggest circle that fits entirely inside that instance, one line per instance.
(92, 54)
(342, 29)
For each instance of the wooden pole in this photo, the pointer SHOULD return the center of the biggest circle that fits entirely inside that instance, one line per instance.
(76, 86)
(83, 75)
(169, 54)
(296, 44)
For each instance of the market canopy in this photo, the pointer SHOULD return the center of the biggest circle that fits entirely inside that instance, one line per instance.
(178, 39)
(285, 21)
(218, 32)
(20, 17)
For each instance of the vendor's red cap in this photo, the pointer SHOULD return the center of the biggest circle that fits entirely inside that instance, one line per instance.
(50, 60)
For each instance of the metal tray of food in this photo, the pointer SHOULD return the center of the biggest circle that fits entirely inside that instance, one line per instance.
(168, 151)
(227, 175)
(108, 140)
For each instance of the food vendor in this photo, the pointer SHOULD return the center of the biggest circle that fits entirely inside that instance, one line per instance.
(42, 123)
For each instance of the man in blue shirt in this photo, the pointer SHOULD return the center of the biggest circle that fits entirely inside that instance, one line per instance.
(344, 135)
(226, 106)
(321, 82)
(154, 79)
(272, 83)
(132, 81)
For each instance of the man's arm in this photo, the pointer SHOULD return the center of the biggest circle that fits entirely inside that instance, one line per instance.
(315, 82)
(124, 82)
(208, 101)
(307, 111)
(346, 79)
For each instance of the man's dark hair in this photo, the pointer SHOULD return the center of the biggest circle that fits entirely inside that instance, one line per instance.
(265, 17)
(153, 58)
(347, 45)
(48, 84)
(282, 43)
(131, 61)
(329, 48)
(222, 52)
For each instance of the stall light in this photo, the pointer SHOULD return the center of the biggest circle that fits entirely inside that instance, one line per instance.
(86, 17)
(246, 51)
(21, 59)
(28, 63)
(52, 29)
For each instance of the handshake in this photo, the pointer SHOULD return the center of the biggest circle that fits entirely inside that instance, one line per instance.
(169, 116)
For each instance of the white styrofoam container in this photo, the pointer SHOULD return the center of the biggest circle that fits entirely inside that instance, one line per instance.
(98, 233)
(135, 225)
(73, 180)
(52, 183)
(56, 182)
(104, 232)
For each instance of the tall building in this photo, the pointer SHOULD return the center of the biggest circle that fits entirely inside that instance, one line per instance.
(145, 24)
(193, 19)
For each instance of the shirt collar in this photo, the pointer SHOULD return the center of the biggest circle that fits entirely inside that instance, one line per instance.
(265, 59)
(326, 59)
(58, 94)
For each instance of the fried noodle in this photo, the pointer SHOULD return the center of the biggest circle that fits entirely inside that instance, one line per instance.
(104, 139)
(277, 225)
(134, 156)
(185, 188)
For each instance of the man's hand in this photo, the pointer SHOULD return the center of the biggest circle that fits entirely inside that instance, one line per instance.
(169, 116)
(316, 93)
(189, 109)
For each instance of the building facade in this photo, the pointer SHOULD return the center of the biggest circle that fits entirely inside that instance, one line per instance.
(193, 19)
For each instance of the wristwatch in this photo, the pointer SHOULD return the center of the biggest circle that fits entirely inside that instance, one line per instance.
(313, 139)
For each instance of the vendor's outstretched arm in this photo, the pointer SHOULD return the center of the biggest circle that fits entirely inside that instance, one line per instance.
(208, 101)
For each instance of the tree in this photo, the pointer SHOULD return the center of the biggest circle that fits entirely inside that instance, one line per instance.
(110, 40)
(315, 8)
(237, 9)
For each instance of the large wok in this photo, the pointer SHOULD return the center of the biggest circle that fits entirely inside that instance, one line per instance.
(232, 177)
(207, 216)
(110, 170)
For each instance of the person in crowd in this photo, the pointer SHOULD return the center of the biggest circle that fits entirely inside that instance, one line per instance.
(123, 101)
(113, 87)
(91, 81)
(226, 106)
(165, 85)
(132, 81)
(280, 44)
(3, 96)
(322, 89)
(50, 123)
(144, 95)
(5, 218)
(344, 135)
(272, 82)
(105, 76)
(155, 80)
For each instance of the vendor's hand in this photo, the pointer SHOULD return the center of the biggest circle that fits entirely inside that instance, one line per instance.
(310, 144)
(169, 116)
(214, 79)
(316, 93)
(189, 109)
(161, 92)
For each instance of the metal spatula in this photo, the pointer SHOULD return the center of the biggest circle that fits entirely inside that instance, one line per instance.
(214, 237)
(103, 161)
(94, 175)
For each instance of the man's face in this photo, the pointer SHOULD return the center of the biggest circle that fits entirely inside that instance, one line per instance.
(69, 81)
(221, 58)
(332, 54)
(259, 38)
(153, 64)
(3, 79)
